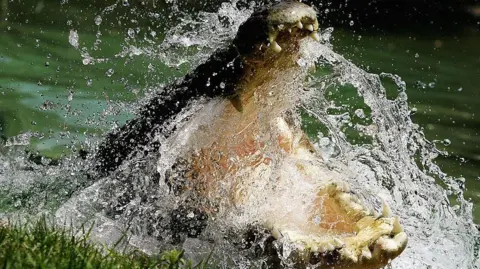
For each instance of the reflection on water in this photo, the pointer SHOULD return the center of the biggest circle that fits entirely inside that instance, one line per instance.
(71, 71)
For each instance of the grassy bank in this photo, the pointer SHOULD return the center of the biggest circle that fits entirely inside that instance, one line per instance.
(40, 245)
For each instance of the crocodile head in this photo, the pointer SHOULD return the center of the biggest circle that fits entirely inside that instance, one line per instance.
(330, 227)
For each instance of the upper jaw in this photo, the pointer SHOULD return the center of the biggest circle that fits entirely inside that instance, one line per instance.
(276, 28)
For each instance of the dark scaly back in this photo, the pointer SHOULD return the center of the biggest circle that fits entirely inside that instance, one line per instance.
(227, 63)
(138, 133)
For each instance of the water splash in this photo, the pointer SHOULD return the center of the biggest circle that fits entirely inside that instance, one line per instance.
(354, 123)
(398, 166)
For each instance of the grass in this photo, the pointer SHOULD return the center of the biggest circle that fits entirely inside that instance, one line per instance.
(40, 245)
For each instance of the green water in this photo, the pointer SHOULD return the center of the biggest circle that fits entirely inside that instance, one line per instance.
(45, 87)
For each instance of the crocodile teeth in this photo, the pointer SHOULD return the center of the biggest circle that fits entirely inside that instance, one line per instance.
(350, 255)
(390, 245)
(309, 27)
(386, 212)
(345, 197)
(356, 207)
(366, 254)
(275, 46)
(397, 228)
(401, 239)
(321, 249)
(276, 233)
(315, 36)
(384, 245)
(299, 25)
(329, 247)
(338, 243)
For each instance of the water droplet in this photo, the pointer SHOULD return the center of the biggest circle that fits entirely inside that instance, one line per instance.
(109, 72)
(324, 141)
(73, 38)
(33, 123)
(47, 64)
(460, 89)
(402, 96)
(351, 23)
(446, 142)
(86, 61)
(89, 83)
(98, 20)
(417, 55)
(360, 113)
(131, 32)
(431, 84)
(222, 85)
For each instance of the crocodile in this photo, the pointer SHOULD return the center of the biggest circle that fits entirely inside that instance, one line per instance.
(245, 156)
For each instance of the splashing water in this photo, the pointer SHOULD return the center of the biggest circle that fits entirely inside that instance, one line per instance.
(346, 113)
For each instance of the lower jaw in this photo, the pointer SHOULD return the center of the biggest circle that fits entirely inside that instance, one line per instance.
(371, 241)
(333, 252)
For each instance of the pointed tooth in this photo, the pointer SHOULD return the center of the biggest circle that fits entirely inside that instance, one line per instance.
(366, 254)
(289, 30)
(309, 27)
(315, 36)
(401, 239)
(344, 197)
(356, 207)
(329, 247)
(386, 212)
(299, 25)
(276, 233)
(321, 249)
(275, 46)
(338, 243)
(377, 250)
(366, 212)
(397, 228)
(315, 25)
(236, 102)
(281, 26)
(350, 255)
(384, 245)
